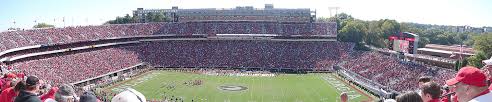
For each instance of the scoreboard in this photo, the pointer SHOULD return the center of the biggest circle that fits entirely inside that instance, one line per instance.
(404, 42)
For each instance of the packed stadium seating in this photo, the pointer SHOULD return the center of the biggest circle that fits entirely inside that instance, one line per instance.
(15, 39)
(393, 73)
(263, 54)
(68, 68)
(205, 53)
(237, 54)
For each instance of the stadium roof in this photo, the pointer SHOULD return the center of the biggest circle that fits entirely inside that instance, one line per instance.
(451, 48)
(443, 51)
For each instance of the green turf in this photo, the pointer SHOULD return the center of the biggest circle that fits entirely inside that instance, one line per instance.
(281, 88)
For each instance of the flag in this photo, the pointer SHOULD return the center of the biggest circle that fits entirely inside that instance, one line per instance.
(461, 51)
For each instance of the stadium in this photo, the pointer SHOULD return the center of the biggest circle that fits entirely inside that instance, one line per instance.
(212, 57)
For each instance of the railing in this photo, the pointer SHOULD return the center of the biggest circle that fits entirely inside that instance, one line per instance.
(364, 83)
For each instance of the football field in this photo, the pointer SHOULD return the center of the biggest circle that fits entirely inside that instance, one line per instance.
(317, 87)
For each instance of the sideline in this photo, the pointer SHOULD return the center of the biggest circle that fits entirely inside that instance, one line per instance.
(371, 99)
(110, 87)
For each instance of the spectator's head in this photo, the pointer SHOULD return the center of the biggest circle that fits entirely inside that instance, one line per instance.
(32, 84)
(409, 97)
(344, 97)
(21, 85)
(65, 93)
(423, 80)
(468, 83)
(11, 76)
(13, 83)
(43, 88)
(129, 95)
(487, 66)
(430, 91)
(88, 96)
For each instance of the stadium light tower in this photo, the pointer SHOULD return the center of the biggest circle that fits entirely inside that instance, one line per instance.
(333, 8)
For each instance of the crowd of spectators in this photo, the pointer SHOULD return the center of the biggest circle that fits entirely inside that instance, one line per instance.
(48, 36)
(304, 55)
(312, 55)
(243, 54)
(72, 67)
(76, 67)
(223, 27)
(392, 72)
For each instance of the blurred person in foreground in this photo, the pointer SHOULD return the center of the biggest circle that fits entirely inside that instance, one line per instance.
(48, 92)
(430, 92)
(9, 93)
(88, 96)
(422, 80)
(6, 80)
(30, 91)
(411, 96)
(470, 85)
(129, 95)
(487, 68)
(66, 93)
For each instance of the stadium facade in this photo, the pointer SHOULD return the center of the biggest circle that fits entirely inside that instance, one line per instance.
(240, 13)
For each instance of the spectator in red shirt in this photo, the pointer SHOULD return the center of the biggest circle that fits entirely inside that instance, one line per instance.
(20, 74)
(50, 94)
(8, 81)
(9, 93)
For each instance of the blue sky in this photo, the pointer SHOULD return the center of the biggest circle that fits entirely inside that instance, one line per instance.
(475, 13)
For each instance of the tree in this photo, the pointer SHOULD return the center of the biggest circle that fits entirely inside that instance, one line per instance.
(43, 25)
(470, 39)
(123, 20)
(484, 43)
(341, 20)
(149, 17)
(324, 19)
(127, 19)
(159, 17)
(354, 31)
(477, 59)
(375, 35)
(389, 27)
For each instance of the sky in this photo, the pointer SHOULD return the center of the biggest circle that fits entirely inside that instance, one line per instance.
(26, 13)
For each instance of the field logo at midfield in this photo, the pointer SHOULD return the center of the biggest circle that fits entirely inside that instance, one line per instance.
(232, 88)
